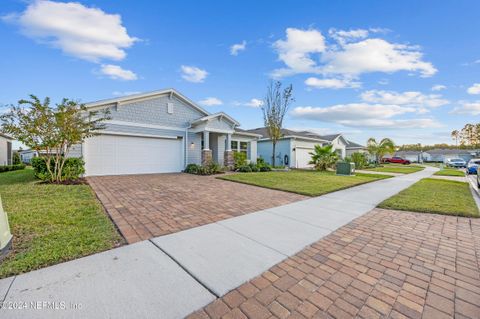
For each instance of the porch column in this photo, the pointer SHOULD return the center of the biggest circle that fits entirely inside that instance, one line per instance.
(228, 156)
(206, 151)
(206, 140)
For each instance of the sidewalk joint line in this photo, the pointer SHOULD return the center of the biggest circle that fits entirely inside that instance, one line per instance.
(186, 270)
(8, 290)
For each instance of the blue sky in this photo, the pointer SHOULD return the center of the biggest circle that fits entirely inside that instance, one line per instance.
(409, 70)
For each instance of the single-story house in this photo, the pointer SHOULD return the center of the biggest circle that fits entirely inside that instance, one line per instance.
(27, 155)
(412, 156)
(161, 132)
(294, 147)
(6, 151)
(443, 155)
(353, 147)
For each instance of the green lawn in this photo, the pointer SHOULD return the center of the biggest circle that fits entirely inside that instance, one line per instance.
(401, 169)
(51, 223)
(450, 172)
(435, 196)
(310, 183)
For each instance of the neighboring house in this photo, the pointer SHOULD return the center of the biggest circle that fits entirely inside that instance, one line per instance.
(443, 155)
(27, 155)
(294, 147)
(353, 147)
(6, 151)
(161, 132)
(412, 156)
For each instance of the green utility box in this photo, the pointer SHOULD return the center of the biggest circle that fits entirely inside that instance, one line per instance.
(5, 235)
(345, 168)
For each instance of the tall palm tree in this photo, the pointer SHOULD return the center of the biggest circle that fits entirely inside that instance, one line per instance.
(323, 157)
(455, 136)
(380, 149)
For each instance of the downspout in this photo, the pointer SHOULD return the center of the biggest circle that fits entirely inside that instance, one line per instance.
(185, 158)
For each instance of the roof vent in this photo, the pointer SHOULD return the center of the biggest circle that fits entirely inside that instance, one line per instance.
(170, 108)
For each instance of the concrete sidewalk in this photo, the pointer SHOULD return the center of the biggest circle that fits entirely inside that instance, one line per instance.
(171, 276)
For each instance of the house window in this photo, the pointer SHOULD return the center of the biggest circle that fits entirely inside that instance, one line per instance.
(234, 145)
(243, 147)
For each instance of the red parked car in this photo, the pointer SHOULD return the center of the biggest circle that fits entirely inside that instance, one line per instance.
(396, 160)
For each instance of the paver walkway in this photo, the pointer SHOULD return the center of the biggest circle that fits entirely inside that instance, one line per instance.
(385, 264)
(173, 275)
(147, 206)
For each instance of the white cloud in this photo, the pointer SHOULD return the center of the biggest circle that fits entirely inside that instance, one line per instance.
(468, 108)
(474, 89)
(375, 55)
(354, 54)
(296, 51)
(125, 93)
(193, 74)
(116, 72)
(438, 87)
(210, 101)
(409, 98)
(331, 83)
(343, 36)
(234, 49)
(364, 115)
(254, 103)
(83, 32)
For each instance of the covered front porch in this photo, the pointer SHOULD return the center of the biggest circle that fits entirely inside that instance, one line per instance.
(215, 139)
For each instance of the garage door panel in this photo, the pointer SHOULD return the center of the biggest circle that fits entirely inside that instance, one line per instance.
(303, 157)
(121, 155)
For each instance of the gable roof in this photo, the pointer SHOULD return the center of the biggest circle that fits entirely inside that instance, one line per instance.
(219, 114)
(146, 96)
(331, 137)
(289, 133)
(352, 145)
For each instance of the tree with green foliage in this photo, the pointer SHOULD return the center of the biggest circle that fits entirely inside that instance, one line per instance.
(323, 157)
(275, 106)
(52, 130)
(380, 149)
(16, 159)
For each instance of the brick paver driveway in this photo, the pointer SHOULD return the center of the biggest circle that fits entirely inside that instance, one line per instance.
(385, 264)
(146, 206)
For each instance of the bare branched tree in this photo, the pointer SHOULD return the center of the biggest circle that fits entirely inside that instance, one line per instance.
(275, 106)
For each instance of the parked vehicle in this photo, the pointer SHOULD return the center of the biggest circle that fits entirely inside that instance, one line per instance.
(456, 162)
(396, 160)
(472, 166)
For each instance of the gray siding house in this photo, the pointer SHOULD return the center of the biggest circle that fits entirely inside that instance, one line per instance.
(293, 149)
(161, 132)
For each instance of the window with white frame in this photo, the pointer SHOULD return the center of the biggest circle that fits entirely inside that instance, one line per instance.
(240, 146)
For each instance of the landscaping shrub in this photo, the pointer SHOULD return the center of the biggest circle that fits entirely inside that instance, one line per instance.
(265, 168)
(8, 168)
(254, 167)
(239, 159)
(16, 159)
(360, 160)
(245, 169)
(210, 169)
(192, 168)
(73, 168)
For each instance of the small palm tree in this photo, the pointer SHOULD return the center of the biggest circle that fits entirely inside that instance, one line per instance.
(323, 157)
(379, 149)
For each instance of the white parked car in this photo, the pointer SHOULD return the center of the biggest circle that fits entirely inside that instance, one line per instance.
(457, 163)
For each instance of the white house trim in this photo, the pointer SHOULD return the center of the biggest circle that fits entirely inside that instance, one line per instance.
(145, 125)
(140, 135)
(215, 115)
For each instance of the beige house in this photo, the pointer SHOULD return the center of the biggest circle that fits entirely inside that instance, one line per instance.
(5, 149)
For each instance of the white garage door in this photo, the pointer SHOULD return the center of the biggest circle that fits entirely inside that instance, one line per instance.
(119, 155)
(303, 157)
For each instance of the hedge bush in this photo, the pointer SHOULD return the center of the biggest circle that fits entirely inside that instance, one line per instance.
(239, 159)
(210, 169)
(8, 168)
(73, 168)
